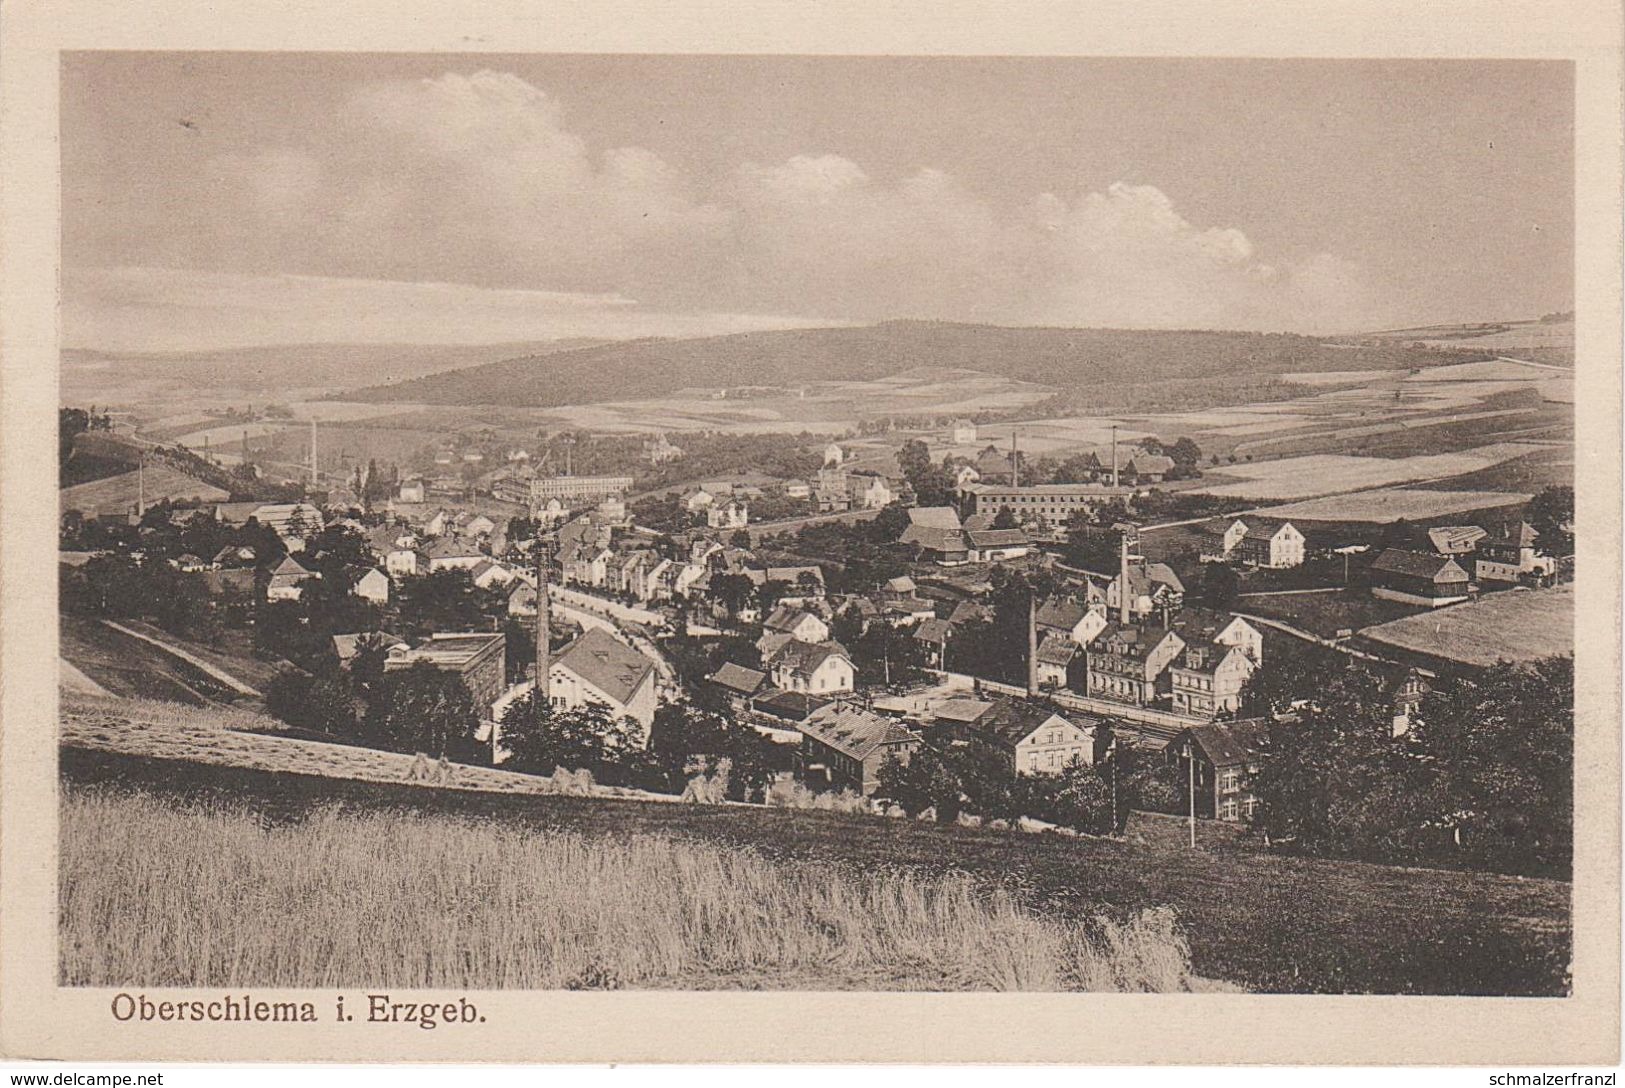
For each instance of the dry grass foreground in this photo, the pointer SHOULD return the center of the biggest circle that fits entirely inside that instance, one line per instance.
(160, 894)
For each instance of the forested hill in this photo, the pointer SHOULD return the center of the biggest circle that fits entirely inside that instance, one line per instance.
(1068, 358)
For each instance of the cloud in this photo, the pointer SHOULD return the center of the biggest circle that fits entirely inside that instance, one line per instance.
(163, 309)
(478, 179)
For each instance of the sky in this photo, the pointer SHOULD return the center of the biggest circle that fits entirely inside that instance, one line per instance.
(214, 200)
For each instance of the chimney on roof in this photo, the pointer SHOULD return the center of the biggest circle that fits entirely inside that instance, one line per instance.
(1032, 646)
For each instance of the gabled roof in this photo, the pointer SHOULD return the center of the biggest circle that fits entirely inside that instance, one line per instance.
(901, 584)
(1196, 624)
(1014, 720)
(961, 710)
(1058, 649)
(1227, 744)
(450, 548)
(803, 658)
(1064, 613)
(785, 618)
(970, 612)
(1151, 462)
(289, 570)
(853, 731)
(738, 678)
(792, 706)
(933, 630)
(1417, 565)
(1221, 526)
(607, 663)
(1134, 640)
(934, 517)
(1265, 530)
(997, 538)
(1450, 537)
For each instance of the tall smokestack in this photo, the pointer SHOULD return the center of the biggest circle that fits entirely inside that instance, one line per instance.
(544, 628)
(1122, 579)
(1032, 646)
(1114, 455)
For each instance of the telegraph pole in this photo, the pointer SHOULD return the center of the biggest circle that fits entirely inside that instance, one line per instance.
(1190, 765)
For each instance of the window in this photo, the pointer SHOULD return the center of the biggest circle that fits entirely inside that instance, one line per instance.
(1228, 810)
(1229, 781)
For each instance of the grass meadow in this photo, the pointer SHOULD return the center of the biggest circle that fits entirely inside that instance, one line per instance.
(159, 893)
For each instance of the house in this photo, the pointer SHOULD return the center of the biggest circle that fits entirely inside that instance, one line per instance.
(189, 563)
(599, 668)
(1416, 578)
(1227, 758)
(899, 587)
(1206, 679)
(953, 719)
(437, 524)
(797, 489)
(993, 545)
(476, 526)
(869, 491)
(372, 586)
(1455, 539)
(937, 531)
(739, 684)
(1220, 539)
(1149, 467)
(1032, 737)
(834, 454)
(994, 466)
(1071, 618)
(1205, 625)
(450, 553)
(234, 556)
(1276, 546)
(964, 476)
(1128, 662)
(1058, 655)
(934, 633)
(697, 500)
(346, 648)
(403, 560)
(962, 433)
(815, 668)
(1511, 556)
(844, 746)
(1152, 587)
(797, 623)
(478, 658)
(727, 515)
(286, 581)
(231, 583)
(488, 573)
(412, 490)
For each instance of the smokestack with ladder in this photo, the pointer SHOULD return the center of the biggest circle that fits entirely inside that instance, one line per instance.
(1032, 646)
(541, 692)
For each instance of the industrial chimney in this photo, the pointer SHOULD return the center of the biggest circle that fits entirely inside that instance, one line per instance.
(544, 629)
(1122, 579)
(1032, 646)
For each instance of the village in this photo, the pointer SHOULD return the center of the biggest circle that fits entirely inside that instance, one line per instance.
(891, 607)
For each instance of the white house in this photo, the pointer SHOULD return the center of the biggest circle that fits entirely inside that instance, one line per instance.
(727, 515)
(797, 623)
(822, 668)
(963, 433)
(285, 581)
(449, 553)
(833, 454)
(1034, 739)
(373, 586)
(401, 560)
(1275, 546)
(600, 668)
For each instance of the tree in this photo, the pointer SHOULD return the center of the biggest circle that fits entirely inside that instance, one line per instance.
(424, 709)
(688, 739)
(326, 702)
(444, 600)
(924, 781)
(732, 591)
(1219, 586)
(1551, 515)
(1005, 518)
(587, 738)
(1185, 452)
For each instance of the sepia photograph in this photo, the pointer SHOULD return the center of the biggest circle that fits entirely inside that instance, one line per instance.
(598, 522)
(571, 546)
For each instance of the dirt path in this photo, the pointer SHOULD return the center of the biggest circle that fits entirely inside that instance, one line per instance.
(191, 659)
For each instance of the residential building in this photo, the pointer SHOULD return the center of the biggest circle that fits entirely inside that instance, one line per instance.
(797, 489)
(962, 433)
(373, 586)
(1511, 556)
(697, 500)
(844, 747)
(938, 533)
(599, 668)
(739, 684)
(1058, 656)
(478, 658)
(1228, 757)
(1034, 738)
(869, 490)
(1206, 679)
(934, 633)
(834, 454)
(727, 515)
(797, 623)
(1129, 662)
(451, 553)
(1072, 618)
(287, 580)
(1415, 578)
(813, 668)
(1221, 537)
(1273, 545)
(1153, 588)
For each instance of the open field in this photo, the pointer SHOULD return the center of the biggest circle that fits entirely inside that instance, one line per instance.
(1324, 614)
(218, 899)
(231, 651)
(1513, 625)
(120, 494)
(1330, 474)
(1383, 505)
(129, 667)
(1265, 921)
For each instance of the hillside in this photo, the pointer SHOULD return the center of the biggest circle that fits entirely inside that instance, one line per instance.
(1265, 921)
(262, 374)
(1105, 361)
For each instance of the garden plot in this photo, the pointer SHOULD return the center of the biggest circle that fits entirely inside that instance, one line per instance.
(1331, 474)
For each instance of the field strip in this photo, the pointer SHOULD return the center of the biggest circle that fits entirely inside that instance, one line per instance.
(76, 681)
(191, 659)
(1387, 428)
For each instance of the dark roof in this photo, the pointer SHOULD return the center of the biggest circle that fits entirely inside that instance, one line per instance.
(289, 569)
(607, 663)
(1062, 612)
(784, 617)
(853, 731)
(792, 706)
(1220, 526)
(1057, 650)
(1264, 530)
(1227, 744)
(970, 611)
(1201, 624)
(1417, 565)
(738, 678)
(1013, 720)
(997, 538)
(805, 657)
(934, 629)
(1138, 639)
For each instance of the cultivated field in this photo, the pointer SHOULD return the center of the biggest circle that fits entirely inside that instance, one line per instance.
(1329, 474)
(119, 494)
(1264, 921)
(1513, 625)
(154, 894)
(1383, 505)
(1324, 614)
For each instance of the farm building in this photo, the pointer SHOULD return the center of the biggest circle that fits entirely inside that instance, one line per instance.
(738, 684)
(1414, 578)
(1455, 539)
(844, 746)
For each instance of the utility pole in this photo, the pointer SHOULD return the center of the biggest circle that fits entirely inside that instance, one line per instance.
(1190, 765)
(541, 691)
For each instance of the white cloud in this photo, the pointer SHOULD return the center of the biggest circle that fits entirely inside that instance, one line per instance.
(479, 179)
